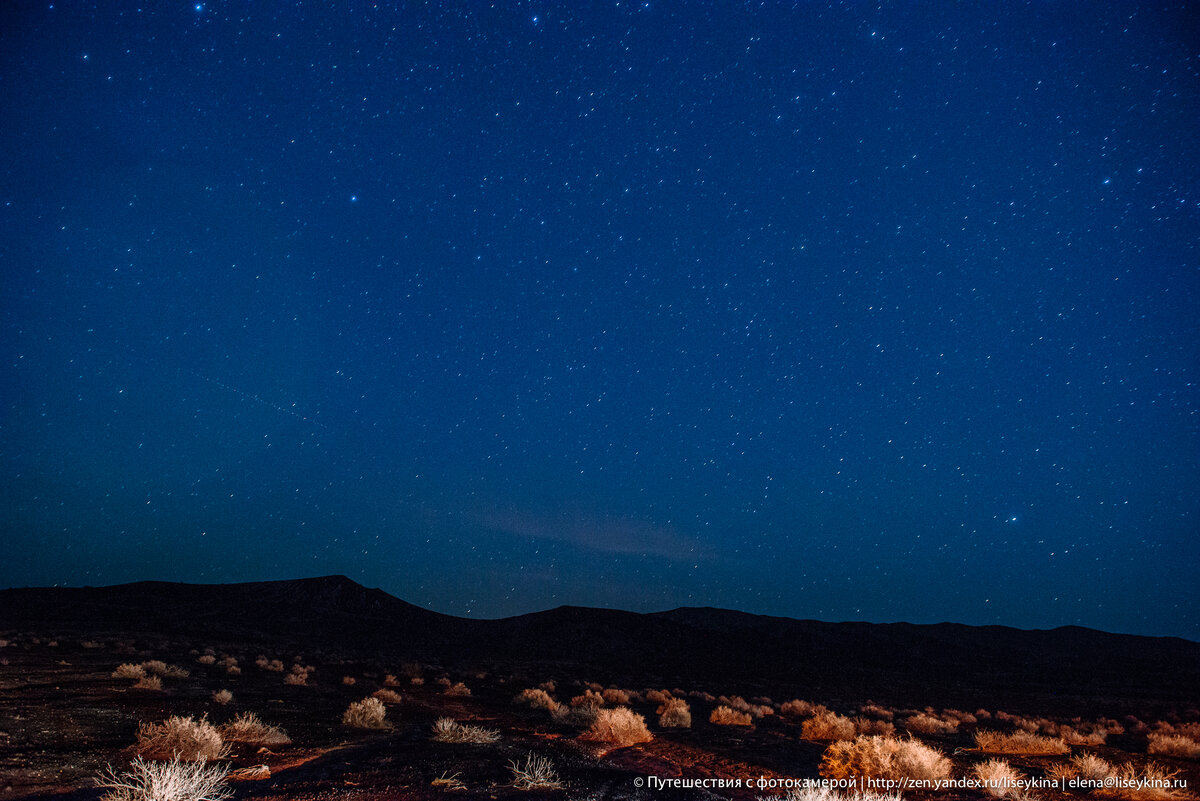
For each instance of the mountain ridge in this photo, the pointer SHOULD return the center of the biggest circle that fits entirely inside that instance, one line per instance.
(698, 645)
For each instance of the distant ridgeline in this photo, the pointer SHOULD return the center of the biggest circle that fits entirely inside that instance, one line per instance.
(692, 648)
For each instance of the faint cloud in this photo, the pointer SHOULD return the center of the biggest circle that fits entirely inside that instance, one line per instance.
(607, 534)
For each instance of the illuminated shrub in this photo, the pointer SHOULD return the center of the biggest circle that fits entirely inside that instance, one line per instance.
(873, 756)
(369, 713)
(724, 716)
(181, 738)
(621, 726)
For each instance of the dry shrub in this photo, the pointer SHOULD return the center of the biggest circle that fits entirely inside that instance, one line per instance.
(616, 697)
(999, 779)
(674, 714)
(590, 698)
(923, 723)
(388, 696)
(536, 773)
(797, 708)
(369, 713)
(874, 726)
(1083, 766)
(233, 670)
(724, 716)
(165, 781)
(390, 680)
(448, 781)
(248, 728)
(621, 726)
(349, 681)
(736, 702)
(877, 711)
(883, 758)
(580, 717)
(416, 681)
(160, 668)
(657, 696)
(549, 686)
(181, 738)
(824, 793)
(149, 683)
(296, 679)
(222, 697)
(960, 716)
(1151, 782)
(207, 659)
(1019, 742)
(128, 671)
(458, 690)
(739, 704)
(1181, 729)
(448, 730)
(536, 698)
(273, 665)
(828, 726)
(1093, 736)
(1176, 745)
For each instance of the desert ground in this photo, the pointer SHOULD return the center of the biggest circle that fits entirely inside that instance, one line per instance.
(286, 723)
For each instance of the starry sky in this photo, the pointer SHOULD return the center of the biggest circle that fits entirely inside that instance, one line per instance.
(825, 310)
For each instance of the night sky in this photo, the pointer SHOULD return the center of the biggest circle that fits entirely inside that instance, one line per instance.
(820, 310)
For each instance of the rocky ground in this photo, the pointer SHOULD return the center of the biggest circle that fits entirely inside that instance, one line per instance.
(64, 717)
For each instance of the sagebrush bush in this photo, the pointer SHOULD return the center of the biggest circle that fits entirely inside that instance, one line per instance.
(877, 711)
(160, 668)
(824, 793)
(388, 696)
(296, 679)
(590, 698)
(535, 773)
(724, 716)
(448, 730)
(128, 671)
(674, 714)
(797, 708)
(181, 738)
(616, 697)
(883, 758)
(828, 726)
(578, 716)
(999, 779)
(1176, 745)
(248, 728)
(222, 697)
(923, 723)
(620, 726)
(369, 713)
(536, 698)
(165, 781)
(874, 726)
(1084, 766)
(458, 690)
(1019, 742)
(1151, 782)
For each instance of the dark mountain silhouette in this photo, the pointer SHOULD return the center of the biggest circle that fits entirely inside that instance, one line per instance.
(721, 650)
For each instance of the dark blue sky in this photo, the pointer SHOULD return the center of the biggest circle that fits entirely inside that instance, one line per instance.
(825, 311)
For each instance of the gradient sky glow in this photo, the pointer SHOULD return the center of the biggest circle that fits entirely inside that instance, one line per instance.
(819, 310)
